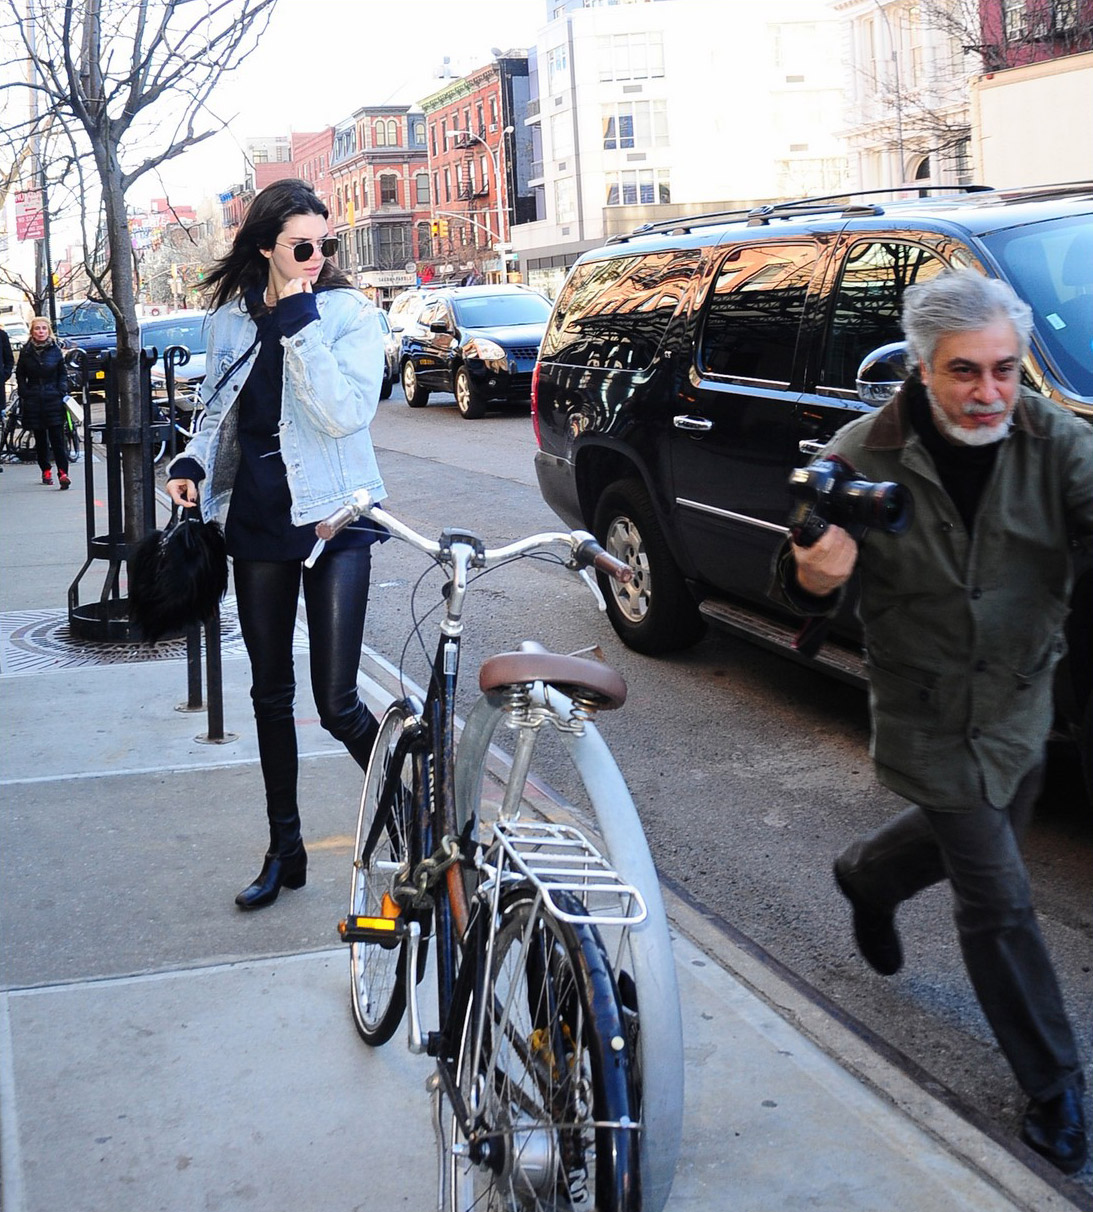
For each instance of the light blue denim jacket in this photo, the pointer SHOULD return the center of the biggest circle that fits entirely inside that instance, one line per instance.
(333, 369)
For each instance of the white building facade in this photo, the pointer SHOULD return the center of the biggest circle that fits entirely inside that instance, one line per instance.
(907, 117)
(646, 110)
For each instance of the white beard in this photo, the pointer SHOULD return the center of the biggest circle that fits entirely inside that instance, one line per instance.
(981, 435)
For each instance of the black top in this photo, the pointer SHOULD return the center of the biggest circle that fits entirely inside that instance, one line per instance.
(7, 364)
(963, 470)
(259, 524)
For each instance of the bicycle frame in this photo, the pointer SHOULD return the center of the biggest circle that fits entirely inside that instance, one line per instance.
(447, 786)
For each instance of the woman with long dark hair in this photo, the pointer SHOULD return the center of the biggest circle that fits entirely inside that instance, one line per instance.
(43, 384)
(294, 366)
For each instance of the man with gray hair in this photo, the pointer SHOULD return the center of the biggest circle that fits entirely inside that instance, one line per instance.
(963, 617)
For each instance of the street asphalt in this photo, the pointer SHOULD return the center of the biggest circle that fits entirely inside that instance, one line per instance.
(161, 1050)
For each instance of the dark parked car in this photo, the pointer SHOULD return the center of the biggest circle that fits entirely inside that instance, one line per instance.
(392, 344)
(479, 342)
(89, 326)
(189, 329)
(688, 368)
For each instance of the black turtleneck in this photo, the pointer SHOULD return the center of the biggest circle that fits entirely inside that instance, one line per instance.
(963, 470)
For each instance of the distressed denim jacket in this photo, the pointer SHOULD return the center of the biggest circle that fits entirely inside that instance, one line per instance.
(333, 369)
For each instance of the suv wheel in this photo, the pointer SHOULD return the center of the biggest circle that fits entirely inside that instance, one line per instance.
(386, 386)
(470, 404)
(416, 395)
(654, 613)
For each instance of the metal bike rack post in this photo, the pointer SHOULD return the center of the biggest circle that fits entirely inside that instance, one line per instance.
(107, 620)
(215, 676)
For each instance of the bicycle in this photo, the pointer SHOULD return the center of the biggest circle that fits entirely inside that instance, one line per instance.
(17, 441)
(559, 1059)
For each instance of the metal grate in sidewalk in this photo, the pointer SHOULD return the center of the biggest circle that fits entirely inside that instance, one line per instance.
(38, 641)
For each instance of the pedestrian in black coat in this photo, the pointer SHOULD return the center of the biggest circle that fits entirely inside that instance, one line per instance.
(7, 365)
(43, 385)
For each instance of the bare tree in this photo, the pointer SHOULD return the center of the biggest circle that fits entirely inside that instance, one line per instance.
(1003, 36)
(127, 82)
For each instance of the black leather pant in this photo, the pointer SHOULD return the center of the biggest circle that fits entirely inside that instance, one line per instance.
(978, 851)
(336, 597)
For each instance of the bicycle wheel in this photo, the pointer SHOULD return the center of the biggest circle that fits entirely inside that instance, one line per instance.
(581, 765)
(549, 1091)
(377, 982)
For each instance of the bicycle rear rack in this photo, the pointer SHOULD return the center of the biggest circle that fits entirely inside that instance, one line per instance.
(558, 858)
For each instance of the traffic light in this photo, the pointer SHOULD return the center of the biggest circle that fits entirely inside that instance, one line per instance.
(434, 227)
(443, 229)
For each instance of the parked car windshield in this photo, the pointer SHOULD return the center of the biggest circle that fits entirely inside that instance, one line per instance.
(190, 331)
(86, 320)
(494, 311)
(1050, 265)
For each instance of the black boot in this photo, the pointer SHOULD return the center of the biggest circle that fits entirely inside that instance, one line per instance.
(278, 870)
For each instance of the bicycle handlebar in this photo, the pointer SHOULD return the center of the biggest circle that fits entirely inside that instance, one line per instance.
(585, 551)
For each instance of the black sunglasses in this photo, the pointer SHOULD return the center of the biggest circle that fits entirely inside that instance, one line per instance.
(305, 250)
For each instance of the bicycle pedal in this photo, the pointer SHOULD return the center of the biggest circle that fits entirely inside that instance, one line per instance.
(386, 931)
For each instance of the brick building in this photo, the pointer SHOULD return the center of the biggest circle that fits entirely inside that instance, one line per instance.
(479, 165)
(379, 197)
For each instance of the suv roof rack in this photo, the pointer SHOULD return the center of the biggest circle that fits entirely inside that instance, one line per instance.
(826, 204)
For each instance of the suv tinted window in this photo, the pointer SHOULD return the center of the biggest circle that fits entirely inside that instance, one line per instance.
(866, 307)
(614, 313)
(755, 311)
(86, 319)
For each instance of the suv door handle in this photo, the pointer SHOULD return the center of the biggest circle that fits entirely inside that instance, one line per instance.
(810, 448)
(693, 424)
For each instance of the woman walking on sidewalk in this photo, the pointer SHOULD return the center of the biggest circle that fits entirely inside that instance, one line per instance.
(43, 384)
(295, 359)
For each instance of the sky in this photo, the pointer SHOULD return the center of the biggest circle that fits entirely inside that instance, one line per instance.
(321, 59)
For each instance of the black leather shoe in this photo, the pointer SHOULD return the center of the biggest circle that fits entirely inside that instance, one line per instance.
(874, 931)
(278, 871)
(1055, 1128)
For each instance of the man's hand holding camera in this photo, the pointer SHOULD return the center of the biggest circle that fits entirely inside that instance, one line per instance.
(827, 564)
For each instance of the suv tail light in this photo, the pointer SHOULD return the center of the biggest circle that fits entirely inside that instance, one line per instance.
(535, 402)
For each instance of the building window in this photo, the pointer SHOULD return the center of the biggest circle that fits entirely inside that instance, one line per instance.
(388, 189)
(432, 139)
(447, 185)
(493, 113)
(635, 124)
(1013, 16)
(557, 70)
(565, 200)
(417, 128)
(421, 189)
(392, 133)
(424, 242)
(637, 56)
(561, 135)
(379, 135)
(640, 187)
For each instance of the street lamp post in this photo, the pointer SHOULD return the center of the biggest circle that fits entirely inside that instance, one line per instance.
(463, 136)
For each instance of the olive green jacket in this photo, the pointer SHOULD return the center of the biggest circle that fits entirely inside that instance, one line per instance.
(963, 632)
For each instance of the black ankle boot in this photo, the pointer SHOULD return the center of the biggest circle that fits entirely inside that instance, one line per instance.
(288, 871)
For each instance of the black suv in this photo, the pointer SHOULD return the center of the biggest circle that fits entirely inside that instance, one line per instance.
(689, 367)
(479, 342)
(89, 326)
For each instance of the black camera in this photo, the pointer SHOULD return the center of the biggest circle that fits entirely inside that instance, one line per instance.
(831, 491)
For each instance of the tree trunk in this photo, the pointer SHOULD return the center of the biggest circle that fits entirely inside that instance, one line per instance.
(135, 508)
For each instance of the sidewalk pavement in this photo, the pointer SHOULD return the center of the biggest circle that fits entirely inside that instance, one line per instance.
(161, 1050)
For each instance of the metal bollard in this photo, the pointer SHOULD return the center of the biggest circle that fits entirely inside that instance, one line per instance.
(214, 676)
(194, 701)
